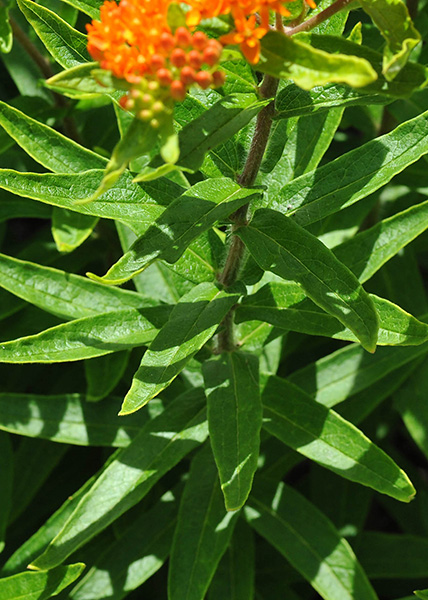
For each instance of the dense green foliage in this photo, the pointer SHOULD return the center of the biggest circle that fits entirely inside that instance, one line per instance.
(246, 417)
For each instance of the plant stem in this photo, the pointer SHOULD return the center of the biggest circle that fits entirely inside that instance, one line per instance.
(319, 18)
(247, 178)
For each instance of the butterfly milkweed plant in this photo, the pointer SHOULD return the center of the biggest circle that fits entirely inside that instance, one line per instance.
(213, 299)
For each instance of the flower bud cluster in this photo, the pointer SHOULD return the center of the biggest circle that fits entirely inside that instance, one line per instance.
(134, 41)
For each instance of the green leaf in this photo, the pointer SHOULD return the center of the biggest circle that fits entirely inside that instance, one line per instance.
(203, 531)
(138, 553)
(293, 101)
(68, 419)
(126, 201)
(159, 446)
(79, 82)
(288, 58)
(87, 337)
(216, 125)
(323, 436)
(34, 461)
(354, 175)
(369, 250)
(234, 578)
(309, 542)
(193, 321)
(39, 586)
(6, 35)
(279, 245)
(65, 44)
(234, 421)
(285, 305)
(63, 294)
(410, 78)
(421, 594)
(350, 370)
(194, 212)
(6, 483)
(104, 373)
(382, 555)
(71, 229)
(138, 140)
(410, 403)
(393, 20)
(47, 146)
(89, 7)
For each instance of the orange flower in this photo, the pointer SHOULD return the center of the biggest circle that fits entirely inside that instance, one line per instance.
(247, 36)
(134, 41)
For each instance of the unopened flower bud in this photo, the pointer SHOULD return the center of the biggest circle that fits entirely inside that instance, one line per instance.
(157, 61)
(204, 79)
(158, 107)
(145, 114)
(211, 55)
(194, 58)
(183, 37)
(219, 78)
(154, 123)
(166, 41)
(188, 75)
(199, 40)
(178, 90)
(178, 57)
(153, 86)
(164, 77)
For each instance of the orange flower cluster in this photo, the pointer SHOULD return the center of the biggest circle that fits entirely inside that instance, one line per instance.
(134, 41)
(251, 19)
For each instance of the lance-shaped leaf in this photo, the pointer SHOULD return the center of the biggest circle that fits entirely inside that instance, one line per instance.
(65, 44)
(393, 20)
(65, 295)
(286, 306)
(423, 594)
(369, 250)
(138, 553)
(6, 483)
(203, 531)
(350, 370)
(325, 437)
(382, 555)
(160, 445)
(354, 175)
(193, 321)
(185, 219)
(410, 402)
(126, 201)
(234, 421)
(70, 229)
(287, 58)
(409, 79)
(309, 541)
(138, 140)
(234, 577)
(79, 83)
(279, 245)
(104, 373)
(87, 337)
(47, 146)
(69, 419)
(61, 155)
(293, 101)
(39, 586)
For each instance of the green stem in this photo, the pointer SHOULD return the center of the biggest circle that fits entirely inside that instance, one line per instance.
(247, 178)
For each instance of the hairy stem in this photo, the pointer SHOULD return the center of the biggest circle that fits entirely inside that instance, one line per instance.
(247, 178)
(319, 18)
